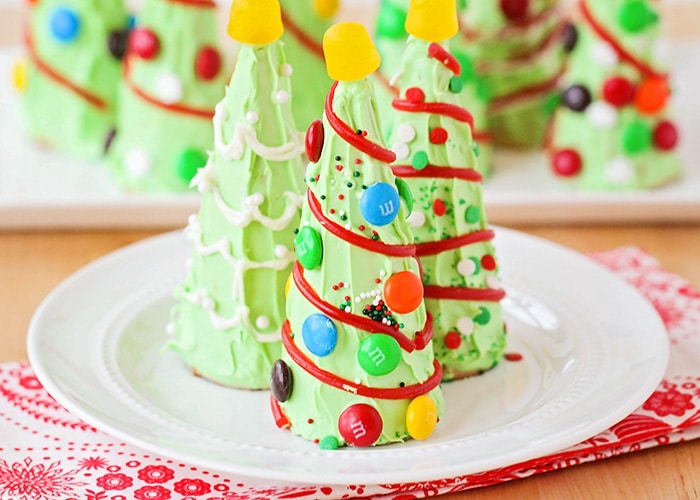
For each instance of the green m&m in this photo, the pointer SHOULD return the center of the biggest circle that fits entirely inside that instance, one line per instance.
(309, 247)
(379, 354)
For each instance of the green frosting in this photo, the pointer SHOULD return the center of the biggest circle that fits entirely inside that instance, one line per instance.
(147, 154)
(513, 60)
(310, 80)
(231, 306)
(445, 208)
(53, 114)
(615, 144)
(314, 408)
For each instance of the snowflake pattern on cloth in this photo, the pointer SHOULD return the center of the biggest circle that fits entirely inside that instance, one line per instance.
(45, 452)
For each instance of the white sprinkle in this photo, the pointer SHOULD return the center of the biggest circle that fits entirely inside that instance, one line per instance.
(348, 227)
(138, 163)
(601, 114)
(170, 328)
(252, 117)
(382, 273)
(620, 171)
(262, 322)
(346, 284)
(465, 325)
(208, 304)
(169, 88)
(282, 96)
(347, 309)
(286, 70)
(405, 133)
(493, 282)
(357, 299)
(280, 251)
(416, 219)
(401, 150)
(604, 55)
(466, 267)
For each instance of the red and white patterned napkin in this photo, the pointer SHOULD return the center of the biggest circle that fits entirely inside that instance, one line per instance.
(45, 452)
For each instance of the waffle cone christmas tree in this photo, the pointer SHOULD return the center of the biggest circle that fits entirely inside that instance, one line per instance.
(174, 75)
(391, 36)
(516, 47)
(231, 307)
(612, 129)
(305, 21)
(433, 138)
(357, 366)
(69, 80)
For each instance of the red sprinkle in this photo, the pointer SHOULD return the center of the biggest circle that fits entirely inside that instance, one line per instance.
(438, 135)
(339, 168)
(358, 161)
(439, 207)
(488, 262)
(361, 227)
(513, 356)
(341, 197)
(453, 340)
(414, 94)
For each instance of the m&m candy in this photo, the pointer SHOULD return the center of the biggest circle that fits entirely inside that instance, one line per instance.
(360, 425)
(379, 203)
(309, 247)
(379, 354)
(421, 417)
(319, 334)
(64, 24)
(403, 292)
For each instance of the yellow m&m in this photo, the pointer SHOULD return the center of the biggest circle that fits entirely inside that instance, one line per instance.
(421, 417)
(288, 285)
(325, 8)
(19, 75)
(255, 22)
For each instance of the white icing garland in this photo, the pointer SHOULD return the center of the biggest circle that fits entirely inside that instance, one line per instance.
(203, 299)
(244, 134)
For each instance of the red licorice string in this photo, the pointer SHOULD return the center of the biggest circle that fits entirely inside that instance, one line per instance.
(295, 30)
(512, 29)
(354, 238)
(61, 80)
(436, 51)
(466, 174)
(388, 393)
(436, 247)
(175, 108)
(351, 136)
(466, 293)
(536, 90)
(435, 108)
(422, 338)
(642, 67)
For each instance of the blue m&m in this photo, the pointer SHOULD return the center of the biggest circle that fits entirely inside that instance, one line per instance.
(319, 334)
(64, 24)
(379, 204)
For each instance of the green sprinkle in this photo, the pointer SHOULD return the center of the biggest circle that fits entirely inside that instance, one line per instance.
(348, 184)
(328, 443)
(420, 160)
(472, 214)
(356, 173)
(456, 85)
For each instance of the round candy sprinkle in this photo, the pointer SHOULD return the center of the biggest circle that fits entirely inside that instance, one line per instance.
(416, 219)
(601, 114)
(636, 137)
(391, 21)
(472, 214)
(569, 37)
(281, 381)
(144, 43)
(401, 150)
(439, 208)
(414, 94)
(514, 9)
(262, 322)
(116, 43)
(466, 267)
(309, 247)
(207, 63)
(360, 425)
(379, 203)
(137, 163)
(328, 443)
(379, 354)
(405, 132)
(665, 136)
(465, 325)
(603, 54)
(252, 117)
(576, 98)
(438, 136)
(188, 162)
(652, 95)
(169, 88)
(483, 317)
(567, 163)
(403, 292)
(453, 340)
(618, 91)
(320, 334)
(286, 70)
(421, 417)
(281, 96)
(456, 85)
(620, 171)
(488, 262)
(64, 24)
(314, 141)
(636, 15)
(420, 160)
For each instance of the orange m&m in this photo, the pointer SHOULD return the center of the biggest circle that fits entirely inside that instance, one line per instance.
(403, 292)
(652, 95)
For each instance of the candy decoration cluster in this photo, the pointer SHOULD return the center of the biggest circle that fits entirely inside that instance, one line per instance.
(616, 89)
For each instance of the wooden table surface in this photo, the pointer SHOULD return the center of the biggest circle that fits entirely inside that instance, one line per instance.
(32, 263)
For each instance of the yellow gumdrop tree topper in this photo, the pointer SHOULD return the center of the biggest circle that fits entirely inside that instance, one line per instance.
(349, 51)
(255, 22)
(432, 20)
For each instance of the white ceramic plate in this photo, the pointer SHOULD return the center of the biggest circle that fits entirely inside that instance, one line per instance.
(41, 189)
(593, 350)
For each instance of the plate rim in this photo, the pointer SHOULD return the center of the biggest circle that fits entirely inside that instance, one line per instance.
(45, 376)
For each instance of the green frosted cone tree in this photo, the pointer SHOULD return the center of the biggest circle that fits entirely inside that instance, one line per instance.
(174, 74)
(357, 366)
(612, 129)
(69, 80)
(436, 156)
(227, 323)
